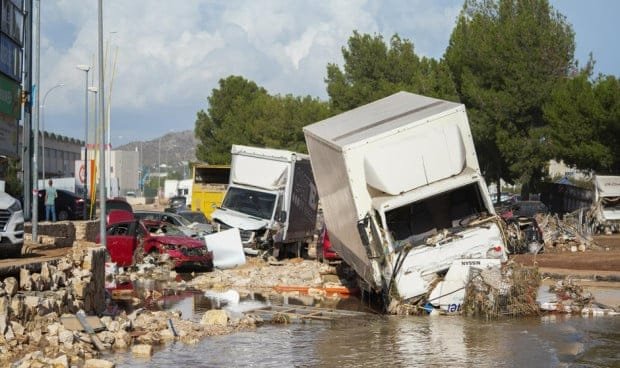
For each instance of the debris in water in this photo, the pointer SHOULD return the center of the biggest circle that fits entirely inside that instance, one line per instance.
(510, 291)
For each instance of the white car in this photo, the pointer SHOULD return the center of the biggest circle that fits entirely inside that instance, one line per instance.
(11, 226)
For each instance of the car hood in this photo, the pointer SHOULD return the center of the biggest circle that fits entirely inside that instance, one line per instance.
(238, 220)
(180, 240)
(6, 200)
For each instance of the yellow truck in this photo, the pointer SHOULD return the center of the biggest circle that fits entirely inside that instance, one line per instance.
(209, 186)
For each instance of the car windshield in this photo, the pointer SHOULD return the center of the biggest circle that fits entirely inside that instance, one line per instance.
(198, 217)
(251, 202)
(182, 220)
(164, 229)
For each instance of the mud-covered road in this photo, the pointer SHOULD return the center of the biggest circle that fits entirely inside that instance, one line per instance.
(603, 260)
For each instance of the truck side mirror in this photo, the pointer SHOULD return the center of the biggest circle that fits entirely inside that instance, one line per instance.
(282, 216)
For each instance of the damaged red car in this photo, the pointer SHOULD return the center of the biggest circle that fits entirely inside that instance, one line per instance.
(129, 240)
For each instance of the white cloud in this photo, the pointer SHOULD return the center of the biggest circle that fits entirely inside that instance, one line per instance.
(172, 54)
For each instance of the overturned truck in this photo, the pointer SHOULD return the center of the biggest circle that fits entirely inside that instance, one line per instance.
(403, 197)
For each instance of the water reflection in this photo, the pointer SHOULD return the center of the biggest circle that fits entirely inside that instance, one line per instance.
(379, 341)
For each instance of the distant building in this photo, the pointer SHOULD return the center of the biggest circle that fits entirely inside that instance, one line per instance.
(124, 169)
(60, 154)
(560, 169)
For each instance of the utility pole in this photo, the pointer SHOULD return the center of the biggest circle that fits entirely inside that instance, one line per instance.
(27, 120)
(35, 101)
(101, 94)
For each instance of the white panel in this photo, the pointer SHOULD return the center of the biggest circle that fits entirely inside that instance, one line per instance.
(431, 155)
(226, 247)
(393, 169)
(262, 173)
(444, 153)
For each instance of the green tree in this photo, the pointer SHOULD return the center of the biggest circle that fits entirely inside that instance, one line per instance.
(506, 56)
(228, 119)
(373, 70)
(584, 122)
(240, 112)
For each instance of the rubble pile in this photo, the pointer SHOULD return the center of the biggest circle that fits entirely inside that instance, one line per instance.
(28, 304)
(63, 233)
(34, 308)
(260, 274)
(509, 291)
(563, 235)
(87, 230)
(141, 332)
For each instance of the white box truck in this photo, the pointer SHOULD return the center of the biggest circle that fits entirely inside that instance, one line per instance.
(402, 193)
(606, 207)
(271, 199)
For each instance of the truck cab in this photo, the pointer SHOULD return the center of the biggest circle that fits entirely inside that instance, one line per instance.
(252, 211)
(271, 199)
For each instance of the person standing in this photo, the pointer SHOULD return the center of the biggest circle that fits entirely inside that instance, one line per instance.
(50, 204)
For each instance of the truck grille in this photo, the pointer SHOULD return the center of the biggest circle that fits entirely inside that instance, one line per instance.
(5, 216)
(246, 235)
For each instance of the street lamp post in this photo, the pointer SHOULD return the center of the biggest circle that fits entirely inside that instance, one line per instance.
(158, 167)
(94, 90)
(43, 127)
(85, 68)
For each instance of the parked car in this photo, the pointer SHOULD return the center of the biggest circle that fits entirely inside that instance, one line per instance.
(130, 239)
(69, 206)
(176, 204)
(11, 226)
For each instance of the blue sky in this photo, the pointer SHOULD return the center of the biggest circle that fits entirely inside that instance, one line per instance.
(171, 54)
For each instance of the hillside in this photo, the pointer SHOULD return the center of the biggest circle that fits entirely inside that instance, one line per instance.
(170, 149)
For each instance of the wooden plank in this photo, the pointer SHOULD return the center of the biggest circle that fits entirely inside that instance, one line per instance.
(71, 323)
(81, 316)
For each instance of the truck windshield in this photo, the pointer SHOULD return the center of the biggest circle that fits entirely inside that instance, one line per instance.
(250, 202)
(416, 221)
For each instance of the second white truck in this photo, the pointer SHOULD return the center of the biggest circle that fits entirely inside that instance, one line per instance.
(402, 194)
(606, 207)
(271, 199)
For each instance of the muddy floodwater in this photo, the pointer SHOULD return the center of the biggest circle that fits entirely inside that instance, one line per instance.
(392, 341)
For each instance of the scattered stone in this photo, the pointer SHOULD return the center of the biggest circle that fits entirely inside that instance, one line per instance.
(142, 350)
(60, 362)
(11, 286)
(214, 317)
(98, 363)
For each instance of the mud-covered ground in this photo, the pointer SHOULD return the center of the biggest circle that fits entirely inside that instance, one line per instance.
(602, 259)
